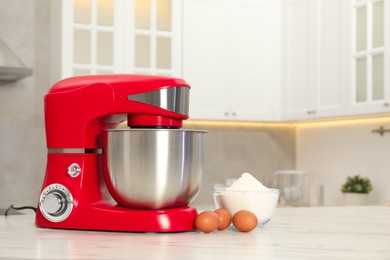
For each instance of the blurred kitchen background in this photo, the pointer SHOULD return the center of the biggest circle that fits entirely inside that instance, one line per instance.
(279, 84)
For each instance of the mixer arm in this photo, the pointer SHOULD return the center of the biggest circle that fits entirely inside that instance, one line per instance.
(76, 108)
(73, 118)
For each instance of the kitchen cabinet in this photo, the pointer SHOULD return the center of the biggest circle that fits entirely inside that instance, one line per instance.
(231, 58)
(114, 36)
(313, 82)
(369, 57)
(261, 60)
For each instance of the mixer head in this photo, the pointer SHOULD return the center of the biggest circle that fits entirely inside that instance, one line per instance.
(78, 109)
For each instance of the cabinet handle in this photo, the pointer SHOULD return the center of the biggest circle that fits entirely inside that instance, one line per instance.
(227, 113)
(310, 112)
(386, 104)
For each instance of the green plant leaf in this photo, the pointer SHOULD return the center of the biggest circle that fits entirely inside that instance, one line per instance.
(357, 184)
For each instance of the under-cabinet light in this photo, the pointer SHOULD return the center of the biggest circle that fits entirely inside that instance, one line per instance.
(346, 121)
(236, 124)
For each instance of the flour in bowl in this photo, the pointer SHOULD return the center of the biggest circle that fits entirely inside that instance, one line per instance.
(250, 194)
(247, 183)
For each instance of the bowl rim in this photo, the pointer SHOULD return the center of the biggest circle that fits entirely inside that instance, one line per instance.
(225, 190)
(180, 130)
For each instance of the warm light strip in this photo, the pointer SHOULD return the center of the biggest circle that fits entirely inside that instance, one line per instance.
(237, 124)
(340, 122)
(320, 123)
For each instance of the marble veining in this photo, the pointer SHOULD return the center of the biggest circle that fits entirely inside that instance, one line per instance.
(293, 233)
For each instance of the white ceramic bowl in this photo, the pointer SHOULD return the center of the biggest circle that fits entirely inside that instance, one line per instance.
(261, 203)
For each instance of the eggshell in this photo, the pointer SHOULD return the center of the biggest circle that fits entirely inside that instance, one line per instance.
(244, 220)
(207, 221)
(225, 219)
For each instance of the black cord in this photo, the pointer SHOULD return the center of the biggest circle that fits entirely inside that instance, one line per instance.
(19, 208)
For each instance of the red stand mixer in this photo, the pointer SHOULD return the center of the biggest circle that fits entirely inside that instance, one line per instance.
(101, 177)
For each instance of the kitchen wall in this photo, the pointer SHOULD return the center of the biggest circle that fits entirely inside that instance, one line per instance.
(231, 150)
(24, 26)
(334, 150)
(22, 153)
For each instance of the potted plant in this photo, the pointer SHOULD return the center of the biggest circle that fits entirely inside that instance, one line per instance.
(356, 190)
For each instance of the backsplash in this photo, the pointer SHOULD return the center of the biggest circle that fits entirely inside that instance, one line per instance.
(233, 150)
(335, 150)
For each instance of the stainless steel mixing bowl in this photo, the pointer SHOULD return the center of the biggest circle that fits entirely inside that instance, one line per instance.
(153, 168)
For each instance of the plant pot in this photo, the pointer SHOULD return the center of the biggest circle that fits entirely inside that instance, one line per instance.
(355, 199)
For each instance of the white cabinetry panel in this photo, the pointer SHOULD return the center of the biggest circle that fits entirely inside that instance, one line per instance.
(298, 59)
(205, 57)
(368, 56)
(230, 58)
(254, 59)
(313, 84)
(331, 63)
(116, 36)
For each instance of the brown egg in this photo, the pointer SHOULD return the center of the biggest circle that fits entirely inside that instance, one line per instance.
(207, 221)
(244, 220)
(224, 218)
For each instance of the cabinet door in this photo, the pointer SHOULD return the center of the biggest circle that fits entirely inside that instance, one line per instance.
(152, 36)
(370, 59)
(254, 58)
(206, 57)
(83, 38)
(331, 63)
(230, 58)
(298, 80)
(115, 36)
(313, 67)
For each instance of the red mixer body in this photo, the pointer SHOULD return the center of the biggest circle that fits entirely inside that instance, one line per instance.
(75, 108)
(74, 195)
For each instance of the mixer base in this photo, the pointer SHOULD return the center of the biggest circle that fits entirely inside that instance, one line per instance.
(107, 217)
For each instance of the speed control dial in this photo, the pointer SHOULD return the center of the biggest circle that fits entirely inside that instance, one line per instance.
(56, 202)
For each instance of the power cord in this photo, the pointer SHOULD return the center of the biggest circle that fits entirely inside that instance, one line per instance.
(19, 208)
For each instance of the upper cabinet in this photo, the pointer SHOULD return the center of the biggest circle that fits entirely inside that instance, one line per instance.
(334, 57)
(369, 56)
(313, 81)
(231, 58)
(256, 60)
(115, 36)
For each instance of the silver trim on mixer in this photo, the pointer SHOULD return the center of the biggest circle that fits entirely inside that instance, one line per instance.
(56, 202)
(74, 150)
(174, 99)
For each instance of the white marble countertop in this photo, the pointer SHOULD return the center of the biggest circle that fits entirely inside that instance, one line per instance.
(293, 233)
